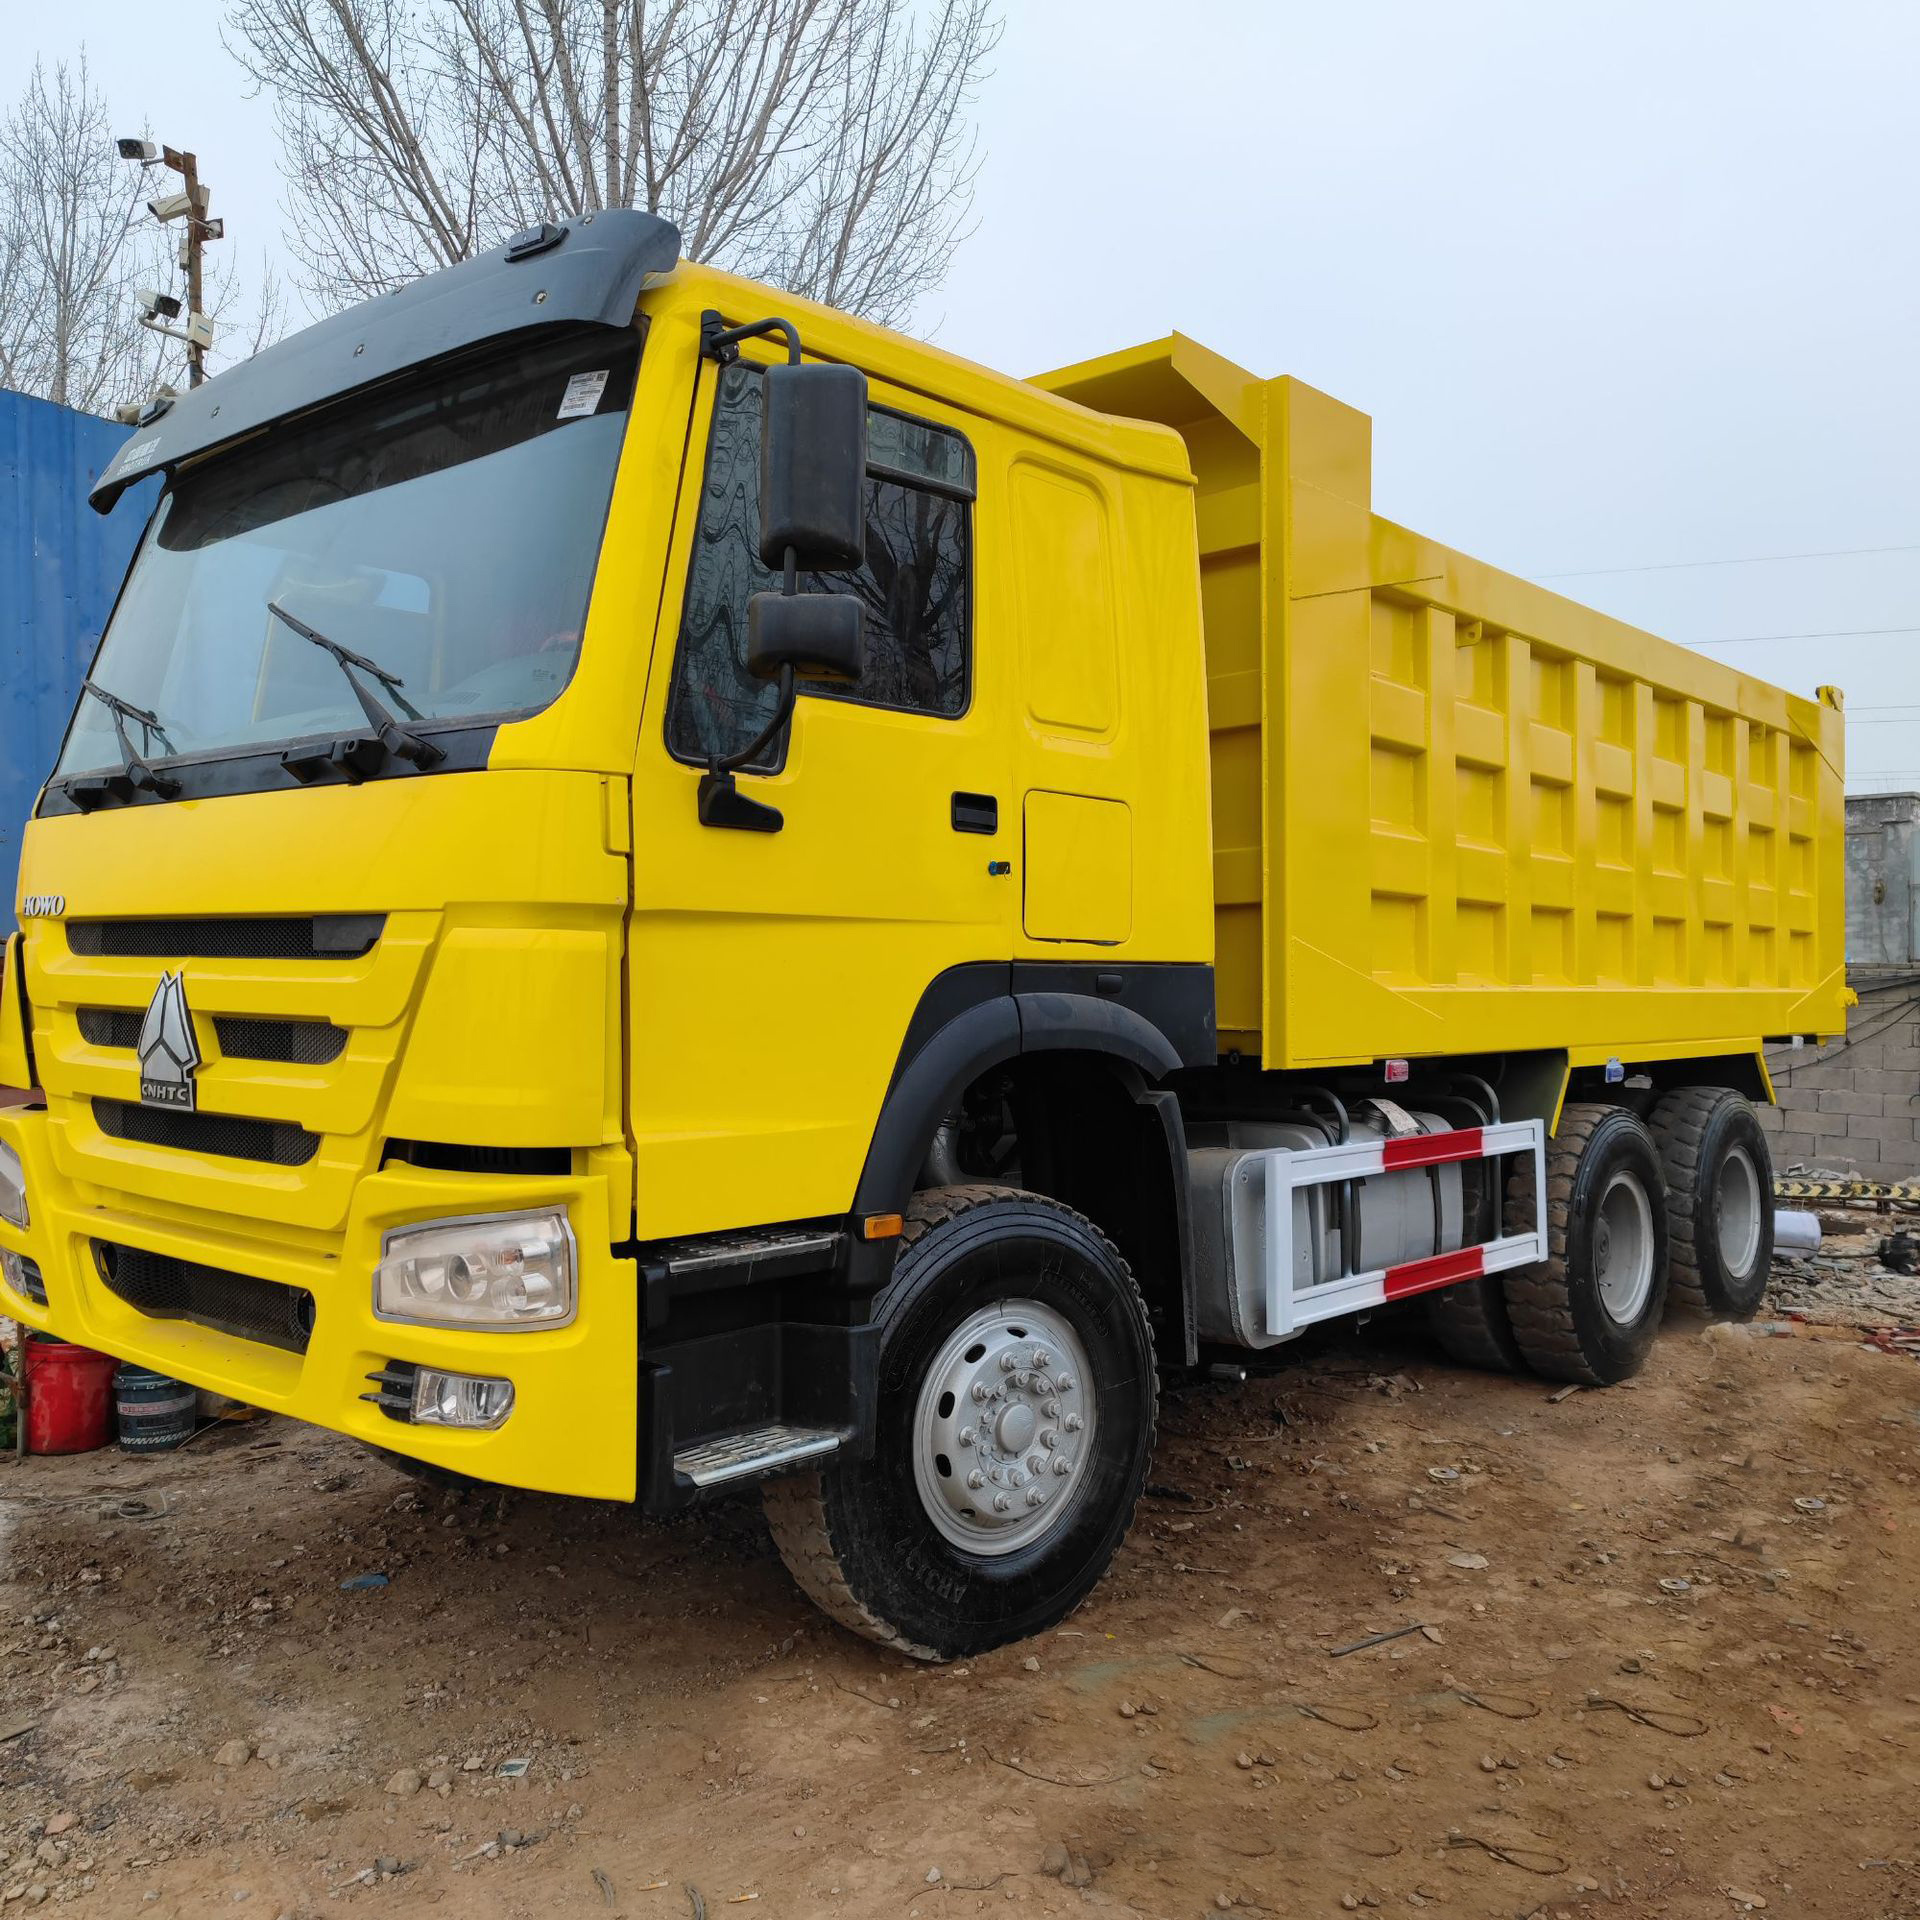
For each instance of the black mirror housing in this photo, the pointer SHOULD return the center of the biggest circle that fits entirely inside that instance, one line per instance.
(821, 636)
(813, 467)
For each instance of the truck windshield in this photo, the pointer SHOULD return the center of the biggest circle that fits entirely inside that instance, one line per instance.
(447, 528)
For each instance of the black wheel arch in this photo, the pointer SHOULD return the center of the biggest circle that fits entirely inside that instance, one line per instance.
(1117, 1031)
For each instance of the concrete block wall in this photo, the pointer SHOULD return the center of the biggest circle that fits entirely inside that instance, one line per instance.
(1853, 1106)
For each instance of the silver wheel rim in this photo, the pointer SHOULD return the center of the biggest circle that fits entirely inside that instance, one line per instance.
(1004, 1427)
(1737, 1204)
(1623, 1248)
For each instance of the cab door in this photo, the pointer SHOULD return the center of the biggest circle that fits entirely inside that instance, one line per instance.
(772, 976)
(1073, 770)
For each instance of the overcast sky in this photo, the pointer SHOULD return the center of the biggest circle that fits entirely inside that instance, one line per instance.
(1625, 287)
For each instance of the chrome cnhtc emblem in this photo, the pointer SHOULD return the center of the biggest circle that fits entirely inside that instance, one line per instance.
(168, 1051)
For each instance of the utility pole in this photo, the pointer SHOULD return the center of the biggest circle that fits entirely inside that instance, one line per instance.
(189, 169)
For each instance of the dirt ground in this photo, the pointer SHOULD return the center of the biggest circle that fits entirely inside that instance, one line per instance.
(1665, 1665)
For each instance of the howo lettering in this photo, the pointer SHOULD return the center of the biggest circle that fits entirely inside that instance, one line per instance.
(657, 887)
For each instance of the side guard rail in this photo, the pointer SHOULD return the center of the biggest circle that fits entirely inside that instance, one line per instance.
(1263, 1221)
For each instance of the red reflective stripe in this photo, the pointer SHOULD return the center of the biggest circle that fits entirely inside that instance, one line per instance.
(1440, 1270)
(1431, 1149)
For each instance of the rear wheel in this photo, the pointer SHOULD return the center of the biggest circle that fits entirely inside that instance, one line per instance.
(1719, 1179)
(1469, 1323)
(1013, 1432)
(1589, 1312)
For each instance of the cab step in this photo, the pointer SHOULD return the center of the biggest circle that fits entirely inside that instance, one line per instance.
(754, 1451)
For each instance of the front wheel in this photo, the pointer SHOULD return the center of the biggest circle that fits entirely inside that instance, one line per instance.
(1012, 1435)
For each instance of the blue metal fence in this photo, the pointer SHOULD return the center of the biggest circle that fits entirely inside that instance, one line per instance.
(60, 567)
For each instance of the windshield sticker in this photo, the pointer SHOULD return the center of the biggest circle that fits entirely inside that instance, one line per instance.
(582, 394)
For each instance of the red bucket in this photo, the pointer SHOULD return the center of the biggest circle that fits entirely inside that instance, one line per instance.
(69, 1396)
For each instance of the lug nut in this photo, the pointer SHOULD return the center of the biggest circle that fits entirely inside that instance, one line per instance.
(1049, 1439)
(1051, 1410)
(1072, 1423)
(1018, 1476)
(1061, 1464)
(979, 1391)
(1008, 1361)
(1002, 1503)
(1035, 1463)
(966, 1436)
(1042, 1358)
(1064, 1381)
(976, 1479)
(1034, 1496)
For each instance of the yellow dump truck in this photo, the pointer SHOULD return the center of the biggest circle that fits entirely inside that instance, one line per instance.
(655, 887)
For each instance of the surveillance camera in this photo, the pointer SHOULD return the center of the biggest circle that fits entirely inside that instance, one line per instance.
(157, 305)
(213, 229)
(170, 206)
(145, 151)
(199, 330)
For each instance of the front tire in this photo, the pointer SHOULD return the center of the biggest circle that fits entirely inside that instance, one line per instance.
(1590, 1311)
(1013, 1433)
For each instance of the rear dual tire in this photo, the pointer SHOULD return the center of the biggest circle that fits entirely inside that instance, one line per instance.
(1590, 1311)
(1719, 1179)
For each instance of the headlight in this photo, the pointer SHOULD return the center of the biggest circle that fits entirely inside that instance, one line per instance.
(13, 1188)
(500, 1271)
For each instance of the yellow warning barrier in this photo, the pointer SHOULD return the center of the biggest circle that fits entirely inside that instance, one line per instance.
(1846, 1190)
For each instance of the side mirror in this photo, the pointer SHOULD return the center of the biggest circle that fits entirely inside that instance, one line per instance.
(813, 468)
(820, 636)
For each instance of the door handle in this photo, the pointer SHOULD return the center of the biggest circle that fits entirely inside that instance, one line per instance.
(976, 813)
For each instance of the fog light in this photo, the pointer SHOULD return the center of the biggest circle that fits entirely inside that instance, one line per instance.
(460, 1400)
(23, 1276)
(497, 1272)
(13, 1188)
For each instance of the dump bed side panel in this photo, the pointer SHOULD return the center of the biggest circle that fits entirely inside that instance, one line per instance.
(1508, 821)
(1455, 813)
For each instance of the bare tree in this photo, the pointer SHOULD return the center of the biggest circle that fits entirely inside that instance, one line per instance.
(69, 257)
(825, 145)
(76, 245)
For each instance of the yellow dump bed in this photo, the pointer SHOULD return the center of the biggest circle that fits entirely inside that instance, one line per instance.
(1455, 813)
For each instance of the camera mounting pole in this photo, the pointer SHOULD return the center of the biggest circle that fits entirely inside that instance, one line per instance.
(199, 231)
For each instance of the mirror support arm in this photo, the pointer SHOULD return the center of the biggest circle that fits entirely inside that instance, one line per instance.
(722, 804)
(722, 343)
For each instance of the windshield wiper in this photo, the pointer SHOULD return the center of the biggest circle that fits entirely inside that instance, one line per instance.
(135, 776)
(355, 757)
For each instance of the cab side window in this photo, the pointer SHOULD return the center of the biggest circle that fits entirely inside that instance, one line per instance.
(916, 583)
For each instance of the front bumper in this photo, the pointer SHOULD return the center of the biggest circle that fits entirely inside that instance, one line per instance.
(574, 1424)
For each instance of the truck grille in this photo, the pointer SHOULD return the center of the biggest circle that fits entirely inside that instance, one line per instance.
(278, 1143)
(314, 936)
(166, 1288)
(301, 1043)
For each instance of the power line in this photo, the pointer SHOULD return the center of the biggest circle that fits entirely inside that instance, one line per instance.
(1744, 560)
(1825, 633)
